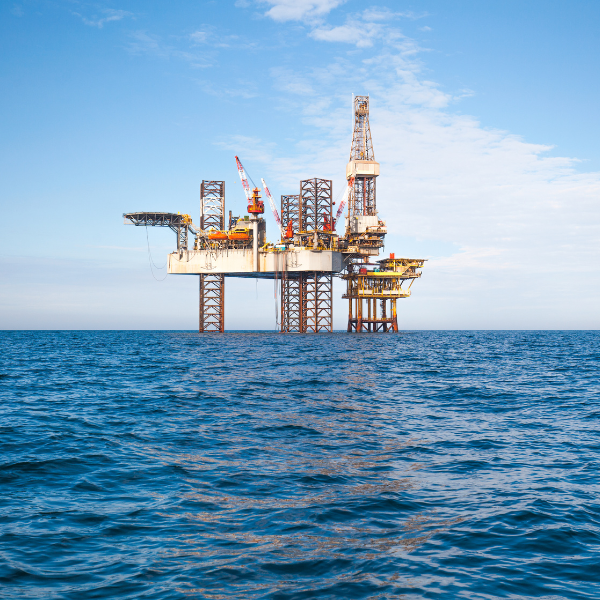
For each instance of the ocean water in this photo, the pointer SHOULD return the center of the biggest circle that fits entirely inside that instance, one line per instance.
(257, 465)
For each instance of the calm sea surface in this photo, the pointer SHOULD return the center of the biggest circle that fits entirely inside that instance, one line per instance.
(257, 465)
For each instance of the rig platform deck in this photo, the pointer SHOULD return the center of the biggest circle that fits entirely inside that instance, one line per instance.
(233, 262)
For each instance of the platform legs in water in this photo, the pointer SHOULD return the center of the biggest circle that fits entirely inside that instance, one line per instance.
(306, 302)
(363, 315)
(212, 303)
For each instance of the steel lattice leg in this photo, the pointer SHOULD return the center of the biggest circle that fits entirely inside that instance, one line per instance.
(212, 304)
(318, 302)
(306, 303)
(291, 304)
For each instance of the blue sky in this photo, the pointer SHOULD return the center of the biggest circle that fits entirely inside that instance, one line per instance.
(484, 118)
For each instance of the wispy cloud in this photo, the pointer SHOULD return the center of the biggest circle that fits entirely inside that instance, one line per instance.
(199, 37)
(109, 15)
(363, 29)
(519, 215)
(299, 10)
(142, 42)
(375, 13)
(289, 80)
(199, 48)
(235, 89)
(314, 10)
(208, 35)
(356, 32)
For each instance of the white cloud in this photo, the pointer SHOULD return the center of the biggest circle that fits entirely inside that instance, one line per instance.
(353, 32)
(360, 29)
(379, 14)
(526, 222)
(311, 10)
(299, 10)
(109, 16)
(199, 37)
(363, 29)
(375, 13)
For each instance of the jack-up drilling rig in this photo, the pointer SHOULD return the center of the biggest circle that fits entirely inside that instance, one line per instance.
(309, 253)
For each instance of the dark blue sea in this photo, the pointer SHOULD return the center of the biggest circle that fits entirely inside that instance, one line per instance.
(259, 465)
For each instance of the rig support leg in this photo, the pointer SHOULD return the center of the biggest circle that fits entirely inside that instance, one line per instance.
(317, 302)
(291, 304)
(350, 315)
(359, 309)
(212, 304)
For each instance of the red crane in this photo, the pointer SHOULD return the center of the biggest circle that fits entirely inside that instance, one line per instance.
(255, 205)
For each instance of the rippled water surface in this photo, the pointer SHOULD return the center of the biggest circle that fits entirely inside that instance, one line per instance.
(257, 465)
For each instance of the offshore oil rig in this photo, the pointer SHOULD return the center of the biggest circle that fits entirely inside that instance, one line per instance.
(309, 254)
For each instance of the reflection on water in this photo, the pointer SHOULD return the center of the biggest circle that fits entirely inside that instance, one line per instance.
(424, 465)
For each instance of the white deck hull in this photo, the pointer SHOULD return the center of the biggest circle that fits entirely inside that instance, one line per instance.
(240, 263)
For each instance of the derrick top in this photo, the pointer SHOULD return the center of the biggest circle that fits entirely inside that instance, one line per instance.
(362, 144)
(362, 161)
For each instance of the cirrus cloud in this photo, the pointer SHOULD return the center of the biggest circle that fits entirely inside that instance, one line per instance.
(299, 10)
(110, 15)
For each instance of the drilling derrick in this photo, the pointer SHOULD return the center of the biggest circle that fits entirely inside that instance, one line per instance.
(364, 230)
(371, 292)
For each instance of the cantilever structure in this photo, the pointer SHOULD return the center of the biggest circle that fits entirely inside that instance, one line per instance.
(309, 254)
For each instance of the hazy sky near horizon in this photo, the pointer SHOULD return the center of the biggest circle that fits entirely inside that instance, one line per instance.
(484, 117)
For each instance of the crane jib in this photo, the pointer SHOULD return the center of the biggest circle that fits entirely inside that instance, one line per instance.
(273, 207)
(244, 179)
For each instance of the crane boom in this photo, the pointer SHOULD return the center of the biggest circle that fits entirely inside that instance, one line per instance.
(244, 179)
(343, 201)
(273, 207)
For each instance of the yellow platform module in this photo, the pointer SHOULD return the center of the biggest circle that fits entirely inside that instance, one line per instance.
(367, 289)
